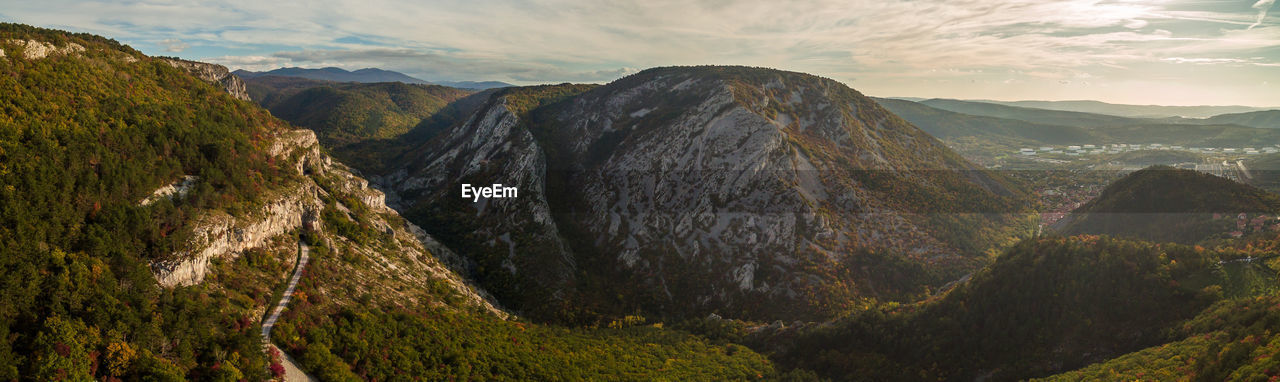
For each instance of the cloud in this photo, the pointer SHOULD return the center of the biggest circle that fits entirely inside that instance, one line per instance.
(430, 65)
(1203, 61)
(173, 45)
(251, 63)
(1262, 6)
(878, 46)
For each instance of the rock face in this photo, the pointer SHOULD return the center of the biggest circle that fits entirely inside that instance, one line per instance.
(176, 190)
(214, 74)
(748, 191)
(218, 234)
(491, 148)
(35, 50)
(222, 235)
(406, 255)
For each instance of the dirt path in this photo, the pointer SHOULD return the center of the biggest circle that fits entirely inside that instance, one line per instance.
(291, 370)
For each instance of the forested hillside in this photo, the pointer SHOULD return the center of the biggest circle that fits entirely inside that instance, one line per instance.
(346, 113)
(1045, 306)
(1166, 204)
(147, 219)
(88, 130)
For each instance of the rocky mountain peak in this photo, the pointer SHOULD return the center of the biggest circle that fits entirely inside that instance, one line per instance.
(750, 190)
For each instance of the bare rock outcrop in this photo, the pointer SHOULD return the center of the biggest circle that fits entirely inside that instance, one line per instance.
(218, 234)
(222, 235)
(35, 50)
(215, 74)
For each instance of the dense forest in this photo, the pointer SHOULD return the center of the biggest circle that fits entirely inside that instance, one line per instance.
(1046, 305)
(351, 118)
(84, 136)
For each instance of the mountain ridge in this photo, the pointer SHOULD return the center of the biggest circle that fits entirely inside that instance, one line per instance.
(1132, 111)
(366, 75)
(737, 129)
(335, 74)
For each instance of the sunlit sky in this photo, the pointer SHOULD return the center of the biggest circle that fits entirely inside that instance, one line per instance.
(1171, 52)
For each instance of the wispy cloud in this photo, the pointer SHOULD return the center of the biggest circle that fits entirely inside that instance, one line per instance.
(173, 45)
(878, 46)
(1262, 6)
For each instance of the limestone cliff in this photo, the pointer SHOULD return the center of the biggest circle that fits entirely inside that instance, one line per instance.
(405, 259)
(215, 74)
(35, 50)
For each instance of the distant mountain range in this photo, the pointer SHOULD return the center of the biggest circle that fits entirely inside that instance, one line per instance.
(479, 85)
(367, 75)
(1266, 119)
(955, 120)
(1052, 117)
(1122, 110)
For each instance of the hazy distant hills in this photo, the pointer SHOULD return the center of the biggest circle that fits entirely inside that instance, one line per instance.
(1267, 119)
(479, 85)
(1052, 117)
(1054, 112)
(1132, 111)
(367, 75)
(945, 124)
(336, 75)
(1002, 125)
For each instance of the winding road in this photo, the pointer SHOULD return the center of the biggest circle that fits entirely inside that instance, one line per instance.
(291, 370)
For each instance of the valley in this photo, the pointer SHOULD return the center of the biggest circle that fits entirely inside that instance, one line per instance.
(171, 219)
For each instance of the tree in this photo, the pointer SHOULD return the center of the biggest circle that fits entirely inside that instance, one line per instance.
(63, 350)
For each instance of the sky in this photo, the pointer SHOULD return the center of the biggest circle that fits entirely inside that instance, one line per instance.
(1168, 52)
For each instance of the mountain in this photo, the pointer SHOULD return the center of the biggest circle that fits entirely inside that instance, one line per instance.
(479, 85)
(1051, 117)
(367, 75)
(1131, 111)
(345, 113)
(1267, 119)
(750, 192)
(335, 74)
(948, 125)
(1165, 204)
(148, 219)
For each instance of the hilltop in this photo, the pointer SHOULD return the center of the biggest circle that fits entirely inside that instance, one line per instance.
(1164, 204)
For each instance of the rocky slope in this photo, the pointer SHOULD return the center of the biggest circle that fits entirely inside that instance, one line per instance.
(739, 190)
(213, 73)
(404, 255)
